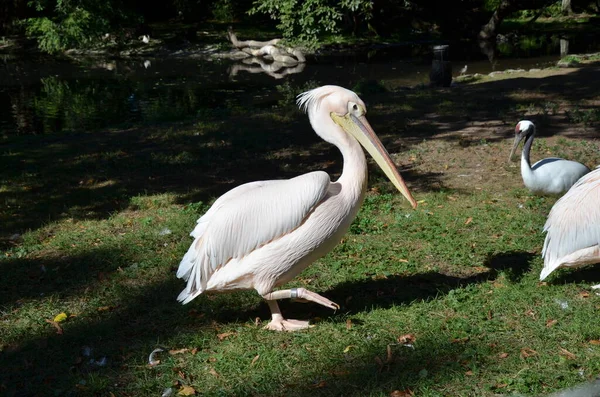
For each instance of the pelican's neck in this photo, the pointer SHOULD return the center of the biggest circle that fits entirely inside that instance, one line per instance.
(354, 174)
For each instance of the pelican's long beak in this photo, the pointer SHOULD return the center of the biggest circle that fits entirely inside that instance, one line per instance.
(514, 147)
(360, 129)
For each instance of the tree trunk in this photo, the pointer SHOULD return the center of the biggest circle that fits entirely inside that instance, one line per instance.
(566, 7)
(489, 30)
(564, 47)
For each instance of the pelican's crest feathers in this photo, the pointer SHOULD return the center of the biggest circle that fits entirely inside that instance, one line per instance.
(312, 99)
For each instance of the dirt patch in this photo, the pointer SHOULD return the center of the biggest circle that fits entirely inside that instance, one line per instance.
(460, 137)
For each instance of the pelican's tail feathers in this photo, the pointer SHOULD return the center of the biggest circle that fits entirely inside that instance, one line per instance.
(195, 269)
(549, 268)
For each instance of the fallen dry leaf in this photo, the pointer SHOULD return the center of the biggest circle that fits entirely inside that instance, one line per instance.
(469, 373)
(105, 308)
(402, 393)
(186, 391)
(348, 323)
(255, 359)
(550, 323)
(194, 350)
(460, 340)
(567, 354)
(224, 335)
(501, 385)
(406, 339)
(584, 294)
(469, 220)
(390, 356)
(347, 349)
(502, 355)
(527, 352)
(213, 372)
(595, 342)
(319, 385)
(178, 351)
(60, 317)
(56, 325)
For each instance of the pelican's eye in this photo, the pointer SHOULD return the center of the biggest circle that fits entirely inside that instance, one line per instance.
(356, 109)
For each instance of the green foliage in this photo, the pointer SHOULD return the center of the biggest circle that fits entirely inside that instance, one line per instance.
(585, 116)
(491, 5)
(223, 10)
(55, 35)
(552, 10)
(63, 23)
(305, 21)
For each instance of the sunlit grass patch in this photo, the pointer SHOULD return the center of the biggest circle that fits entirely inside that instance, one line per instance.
(459, 274)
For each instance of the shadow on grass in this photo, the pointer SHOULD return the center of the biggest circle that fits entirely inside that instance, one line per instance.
(357, 296)
(149, 315)
(90, 175)
(32, 278)
(588, 274)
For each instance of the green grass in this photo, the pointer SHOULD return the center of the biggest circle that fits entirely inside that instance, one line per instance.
(108, 215)
(467, 291)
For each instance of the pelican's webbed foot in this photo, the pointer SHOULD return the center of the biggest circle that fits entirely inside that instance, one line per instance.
(278, 323)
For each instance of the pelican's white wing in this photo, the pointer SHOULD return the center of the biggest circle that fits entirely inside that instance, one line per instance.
(573, 223)
(245, 218)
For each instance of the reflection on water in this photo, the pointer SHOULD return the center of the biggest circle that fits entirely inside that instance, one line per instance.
(277, 70)
(38, 96)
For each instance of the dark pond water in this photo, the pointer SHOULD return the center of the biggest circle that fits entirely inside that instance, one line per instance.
(39, 96)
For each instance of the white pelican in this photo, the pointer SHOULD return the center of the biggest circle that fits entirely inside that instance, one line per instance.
(551, 175)
(262, 234)
(573, 227)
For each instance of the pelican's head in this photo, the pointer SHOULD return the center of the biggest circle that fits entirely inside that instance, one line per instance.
(523, 130)
(338, 114)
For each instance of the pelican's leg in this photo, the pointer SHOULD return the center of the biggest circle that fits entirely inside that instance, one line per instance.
(301, 295)
(278, 323)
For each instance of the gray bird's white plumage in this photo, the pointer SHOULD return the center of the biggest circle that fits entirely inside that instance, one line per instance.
(551, 175)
